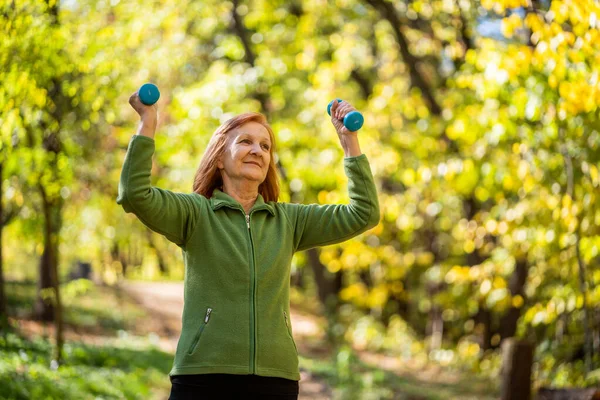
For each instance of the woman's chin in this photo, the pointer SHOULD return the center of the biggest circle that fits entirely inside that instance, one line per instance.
(255, 177)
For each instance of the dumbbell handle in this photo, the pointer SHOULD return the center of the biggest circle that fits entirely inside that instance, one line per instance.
(149, 94)
(353, 121)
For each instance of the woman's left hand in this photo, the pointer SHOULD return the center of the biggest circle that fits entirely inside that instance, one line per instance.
(338, 112)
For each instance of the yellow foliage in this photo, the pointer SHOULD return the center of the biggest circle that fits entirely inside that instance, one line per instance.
(334, 266)
(510, 24)
(409, 177)
(391, 208)
(424, 259)
(322, 196)
(488, 4)
(456, 130)
(377, 230)
(397, 287)
(378, 296)
(409, 259)
(499, 282)
(517, 301)
(552, 81)
(349, 260)
(459, 274)
(366, 258)
(534, 21)
(355, 292)
(469, 246)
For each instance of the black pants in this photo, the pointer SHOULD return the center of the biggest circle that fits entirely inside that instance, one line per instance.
(230, 387)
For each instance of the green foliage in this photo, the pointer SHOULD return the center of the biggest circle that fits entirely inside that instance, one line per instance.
(112, 372)
(122, 365)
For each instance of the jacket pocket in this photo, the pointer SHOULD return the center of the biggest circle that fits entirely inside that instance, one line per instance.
(287, 326)
(194, 345)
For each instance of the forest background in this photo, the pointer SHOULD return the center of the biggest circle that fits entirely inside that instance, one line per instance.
(482, 130)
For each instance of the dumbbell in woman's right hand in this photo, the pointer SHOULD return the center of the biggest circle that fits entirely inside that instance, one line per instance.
(148, 112)
(353, 121)
(144, 101)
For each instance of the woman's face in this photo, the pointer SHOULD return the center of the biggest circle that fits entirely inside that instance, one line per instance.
(247, 154)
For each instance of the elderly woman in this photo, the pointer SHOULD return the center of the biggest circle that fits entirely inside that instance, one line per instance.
(238, 242)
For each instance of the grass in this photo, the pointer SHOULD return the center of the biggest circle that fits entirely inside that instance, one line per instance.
(364, 375)
(351, 378)
(122, 366)
(88, 372)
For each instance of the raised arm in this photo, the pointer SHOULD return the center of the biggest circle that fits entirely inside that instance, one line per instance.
(319, 225)
(173, 215)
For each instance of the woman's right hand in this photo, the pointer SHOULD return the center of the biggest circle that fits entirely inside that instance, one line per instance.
(148, 115)
(145, 112)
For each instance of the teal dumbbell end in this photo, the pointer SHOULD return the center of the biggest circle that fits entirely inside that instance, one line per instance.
(149, 94)
(353, 121)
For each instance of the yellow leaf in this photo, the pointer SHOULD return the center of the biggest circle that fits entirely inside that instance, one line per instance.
(487, 4)
(355, 290)
(517, 301)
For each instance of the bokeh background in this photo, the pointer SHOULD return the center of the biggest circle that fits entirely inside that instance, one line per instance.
(482, 130)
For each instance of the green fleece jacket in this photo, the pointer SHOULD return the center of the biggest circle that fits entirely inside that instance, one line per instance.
(236, 315)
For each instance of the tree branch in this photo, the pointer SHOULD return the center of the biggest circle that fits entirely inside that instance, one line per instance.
(388, 11)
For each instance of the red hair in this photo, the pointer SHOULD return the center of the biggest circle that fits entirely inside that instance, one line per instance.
(208, 176)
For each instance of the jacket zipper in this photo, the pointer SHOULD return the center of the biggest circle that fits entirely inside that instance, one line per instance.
(252, 305)
(199, 334)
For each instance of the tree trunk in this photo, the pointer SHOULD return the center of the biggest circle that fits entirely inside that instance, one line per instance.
(48, 305)
(517, 361)
(52, 305)
(484, 317)
(117, 254)
(328, 288)
(44, 308)
(162, 265)
(508, 322)
(435, 329)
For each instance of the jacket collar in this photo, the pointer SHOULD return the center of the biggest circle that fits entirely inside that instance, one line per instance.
(220, 199)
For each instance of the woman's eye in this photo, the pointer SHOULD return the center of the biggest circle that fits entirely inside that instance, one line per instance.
(265, 146)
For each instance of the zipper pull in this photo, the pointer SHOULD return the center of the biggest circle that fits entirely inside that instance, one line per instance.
(285, 316)
(248, 220)
(207, 315)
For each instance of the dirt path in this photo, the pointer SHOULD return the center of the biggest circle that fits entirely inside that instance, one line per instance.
(165, 302)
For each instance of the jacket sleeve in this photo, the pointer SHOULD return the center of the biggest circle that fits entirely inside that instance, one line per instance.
(170, 214)
(320, 225)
